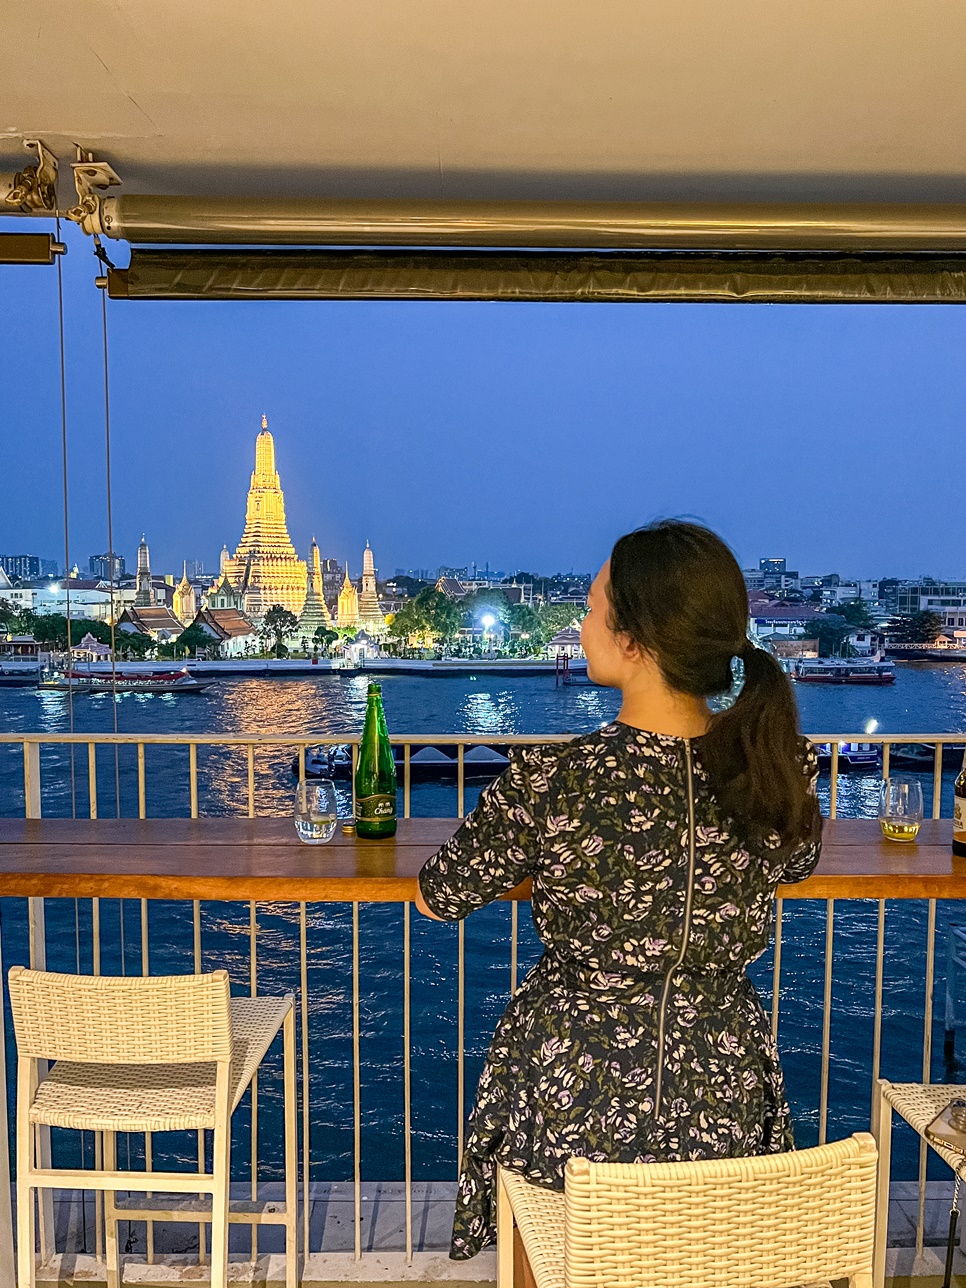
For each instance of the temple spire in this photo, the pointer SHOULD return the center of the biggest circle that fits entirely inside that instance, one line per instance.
(370, 614)
(265, 566)
(144, 591)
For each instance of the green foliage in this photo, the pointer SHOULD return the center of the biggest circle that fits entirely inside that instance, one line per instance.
(856, 613)
(921, 628)
(134, 646)
(191, 639)
(276, 625)
(431, 614)
(830, 632)
(51, 629)
(482, 603)
(557, 617)
(324, 637)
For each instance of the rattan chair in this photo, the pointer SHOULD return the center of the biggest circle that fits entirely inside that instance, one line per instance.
(771, 1222)
(918, 1103)
(145, 1054)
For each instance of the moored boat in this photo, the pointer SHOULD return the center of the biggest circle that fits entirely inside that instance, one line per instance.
(836, 670)
(121, 681)
(427, 764)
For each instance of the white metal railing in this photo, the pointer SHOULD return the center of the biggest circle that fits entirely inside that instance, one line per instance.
(254, 746)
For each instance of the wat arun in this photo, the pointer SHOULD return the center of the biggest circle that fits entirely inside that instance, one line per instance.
(265, 568)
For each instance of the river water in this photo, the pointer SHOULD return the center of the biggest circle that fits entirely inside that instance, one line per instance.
(925, 698)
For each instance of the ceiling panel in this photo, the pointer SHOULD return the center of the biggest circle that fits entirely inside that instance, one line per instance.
(613, 99)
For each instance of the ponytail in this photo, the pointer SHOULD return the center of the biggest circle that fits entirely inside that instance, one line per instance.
(753, 757)
(677, 590)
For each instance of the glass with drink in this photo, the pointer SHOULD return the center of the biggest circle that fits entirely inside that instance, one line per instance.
(900, 808)
(316, 811)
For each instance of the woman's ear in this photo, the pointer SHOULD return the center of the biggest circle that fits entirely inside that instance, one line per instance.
(630, 649)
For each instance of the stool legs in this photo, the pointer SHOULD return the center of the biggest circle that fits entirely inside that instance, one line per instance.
(26, 1234)
(882, 1131)
(219, 1206)
(111, 1258)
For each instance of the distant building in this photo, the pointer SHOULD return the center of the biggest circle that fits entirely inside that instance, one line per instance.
(265, 566)
(185, 601)
(90, 650)
(144, 592)
(107, 567)
(770, 616)
(460, 574)
(565, 643)
(224, 595)
(16, 596)
(452, 587)
(928, 596)
(418, 574)
(772, 567)
(348, 613)
(231, 632)
(27, 566)
(315, 614)
(195, 569)
(157, 621)
(371, 616)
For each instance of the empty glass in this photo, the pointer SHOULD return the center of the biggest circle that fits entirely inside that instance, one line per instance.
(316, 811)
(900, 808)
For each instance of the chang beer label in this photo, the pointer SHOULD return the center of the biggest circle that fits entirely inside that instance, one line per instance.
(959, 817)
(376, 807)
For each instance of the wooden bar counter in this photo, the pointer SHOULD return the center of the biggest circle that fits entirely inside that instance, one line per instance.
(262, 858)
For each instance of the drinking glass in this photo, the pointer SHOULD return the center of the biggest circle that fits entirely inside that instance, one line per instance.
(900, 808)
(316, 811)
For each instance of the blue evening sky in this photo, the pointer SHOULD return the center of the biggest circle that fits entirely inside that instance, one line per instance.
(528, 435)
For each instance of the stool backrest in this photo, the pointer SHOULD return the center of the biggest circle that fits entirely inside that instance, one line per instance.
(774, 1221)
(104, 1019)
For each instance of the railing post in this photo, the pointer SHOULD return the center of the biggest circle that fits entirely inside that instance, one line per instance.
(33, 808)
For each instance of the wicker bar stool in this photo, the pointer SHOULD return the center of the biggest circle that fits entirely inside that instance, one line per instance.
(771, 1222)
(918, 1103)
(146, 1054)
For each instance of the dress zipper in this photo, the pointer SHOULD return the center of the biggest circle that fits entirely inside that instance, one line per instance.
(685, 936)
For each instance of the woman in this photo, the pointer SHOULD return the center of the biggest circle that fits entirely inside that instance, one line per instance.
(655, 846)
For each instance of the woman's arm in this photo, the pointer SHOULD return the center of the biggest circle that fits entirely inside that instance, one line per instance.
(498, 845)
(802, 861)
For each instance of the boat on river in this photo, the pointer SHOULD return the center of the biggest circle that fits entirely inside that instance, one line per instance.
(427, 764)
(121, 681)
(859, 756)
(19, 673)
(841, 670)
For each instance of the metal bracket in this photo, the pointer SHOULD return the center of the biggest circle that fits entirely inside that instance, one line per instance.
(32, 190)
(91, 178)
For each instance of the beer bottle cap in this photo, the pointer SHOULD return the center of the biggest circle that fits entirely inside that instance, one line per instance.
(348, 829)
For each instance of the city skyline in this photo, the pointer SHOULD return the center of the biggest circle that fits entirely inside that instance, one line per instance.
(518, 433)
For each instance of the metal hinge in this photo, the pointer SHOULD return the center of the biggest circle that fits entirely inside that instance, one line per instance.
(32, 190)
(91, 178)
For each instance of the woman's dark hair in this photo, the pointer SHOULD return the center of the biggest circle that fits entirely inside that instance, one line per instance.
(676, 589)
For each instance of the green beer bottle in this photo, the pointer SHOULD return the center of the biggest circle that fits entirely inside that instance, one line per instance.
(375, 773)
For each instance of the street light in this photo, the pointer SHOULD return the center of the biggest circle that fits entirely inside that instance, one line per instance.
(488, 621)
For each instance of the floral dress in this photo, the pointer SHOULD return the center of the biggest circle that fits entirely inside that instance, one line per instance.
(637, 1037)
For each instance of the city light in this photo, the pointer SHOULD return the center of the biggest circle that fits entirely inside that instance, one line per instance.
(488, 620)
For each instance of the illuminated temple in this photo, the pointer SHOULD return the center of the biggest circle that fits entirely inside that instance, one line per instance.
(265, 568)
